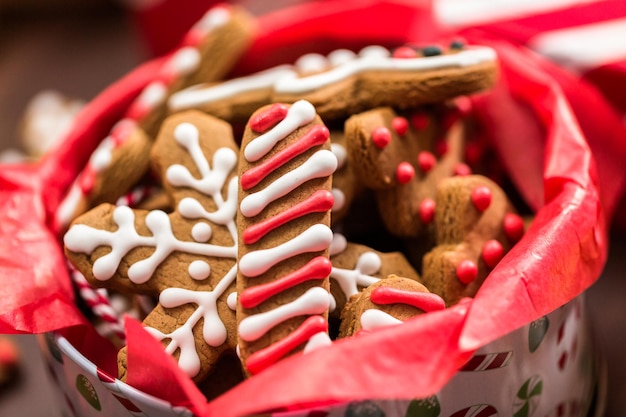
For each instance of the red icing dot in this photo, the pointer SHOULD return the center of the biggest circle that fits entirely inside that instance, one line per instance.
(481, 197)
(466, 271)
(404, 172)
(269, 118)
(400, 125)
(513, 227)
(426, 161)
(462, 170)
(419, 120)
(473, 152)
(404, 52)
(381, 136)
(427, 210)
(492, 253)
(441, 147)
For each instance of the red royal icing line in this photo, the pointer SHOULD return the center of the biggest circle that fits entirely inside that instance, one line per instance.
(121, 132)
(263, 358)
(87, 180)
(317, 135)
(425, 301)
(137, 110)
(317, 268)
(193, 37)
(319, 201)
(269, 118)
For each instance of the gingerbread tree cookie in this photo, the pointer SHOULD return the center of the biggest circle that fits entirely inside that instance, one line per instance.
(187, 257)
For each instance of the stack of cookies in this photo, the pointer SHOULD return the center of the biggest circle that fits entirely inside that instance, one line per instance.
(256, 217)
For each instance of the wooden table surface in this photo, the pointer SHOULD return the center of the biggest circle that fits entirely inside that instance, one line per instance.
(79, 53)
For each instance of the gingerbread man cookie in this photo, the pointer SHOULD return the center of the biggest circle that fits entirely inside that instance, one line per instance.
(345, 83)
(285, 199)
(187, 258)
(402, 159)
(208, 52)
(475, 226)
(388, 302)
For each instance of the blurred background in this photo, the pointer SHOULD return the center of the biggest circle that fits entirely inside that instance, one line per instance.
(61, 53)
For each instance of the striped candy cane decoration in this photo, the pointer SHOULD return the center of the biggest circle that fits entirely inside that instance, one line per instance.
(488, 361)
(98, 302)
(480, 410)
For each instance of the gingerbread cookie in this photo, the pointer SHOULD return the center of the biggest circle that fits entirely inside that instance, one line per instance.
(346, 185)
(357, 266)
(388, 302)
(285, 199)
(402, 159)
(475, 226)
(118, 162)
(233, 100)
(187, 258)
(208, 52)
(345, 83)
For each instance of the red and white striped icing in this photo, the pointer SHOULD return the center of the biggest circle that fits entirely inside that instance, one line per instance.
(275, 125)
(372, 319)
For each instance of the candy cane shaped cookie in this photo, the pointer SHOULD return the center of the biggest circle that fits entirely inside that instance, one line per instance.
(285, 198)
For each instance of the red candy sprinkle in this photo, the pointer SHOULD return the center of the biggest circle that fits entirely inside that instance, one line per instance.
(481, 197)
(381, 136)
(492, 253)
(441, 147)
(513, 227)
(400, 125)
(466, 271)
(426, 161)
(462, 170)
(419, 120)
(404, 172)
(427, 210)
(404, 52)
(269, 118)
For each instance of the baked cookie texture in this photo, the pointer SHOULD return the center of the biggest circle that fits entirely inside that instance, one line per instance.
(476, 225)
(387, 302)
(188, 258)
(285, 199)
(282, 204)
